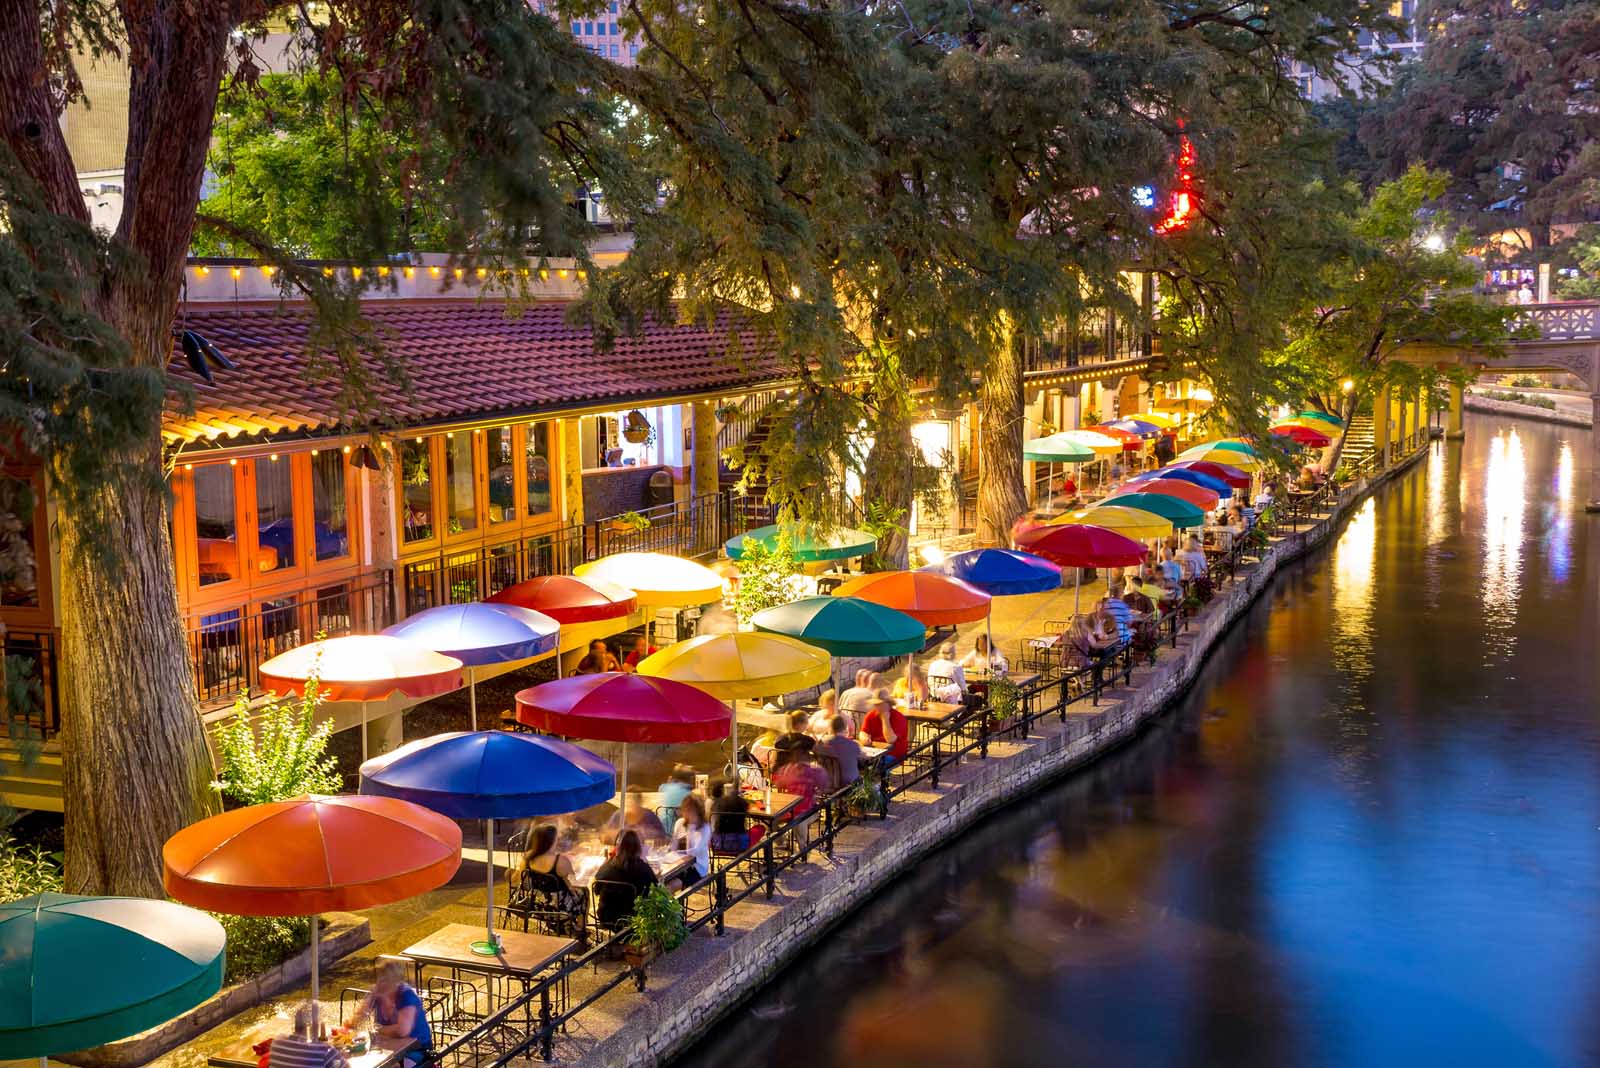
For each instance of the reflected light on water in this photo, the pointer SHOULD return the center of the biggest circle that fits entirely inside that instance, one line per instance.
(1354, 560)
(1558, 542)
(1504, 512)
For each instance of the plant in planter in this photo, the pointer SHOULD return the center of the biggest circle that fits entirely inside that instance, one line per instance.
(1005, 699)
(636, 429)
(727, 413)
(867, 792)
(630, 523)
(768, 577)
(656, 926)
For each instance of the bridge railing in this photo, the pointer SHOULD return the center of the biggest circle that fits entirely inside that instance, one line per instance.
(1565, 321)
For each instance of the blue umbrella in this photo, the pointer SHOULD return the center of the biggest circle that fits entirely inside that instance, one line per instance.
(490, 775)
(1137, 426)
(1215, 485)
(1000, 573)
(479, 634)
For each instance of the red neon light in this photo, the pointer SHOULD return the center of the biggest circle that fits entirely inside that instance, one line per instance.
(1185, 198)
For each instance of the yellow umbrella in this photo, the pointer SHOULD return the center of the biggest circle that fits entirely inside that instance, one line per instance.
(1102, 444)
(1162, 419)
(1129, 522)
(742, 664)
(659, 580)
(1221, 454)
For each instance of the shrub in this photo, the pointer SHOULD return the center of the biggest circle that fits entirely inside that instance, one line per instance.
(656, 925)
(767, 577)
(257, 943)
(26, 870)
(283, 756)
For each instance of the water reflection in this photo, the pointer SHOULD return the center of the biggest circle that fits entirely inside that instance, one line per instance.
(1505, 503)
(1354, 844)
(1558, 541)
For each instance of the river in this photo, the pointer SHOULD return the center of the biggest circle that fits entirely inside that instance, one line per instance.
(1369, 836)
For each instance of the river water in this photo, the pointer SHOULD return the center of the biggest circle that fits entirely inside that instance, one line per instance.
(1370, 836)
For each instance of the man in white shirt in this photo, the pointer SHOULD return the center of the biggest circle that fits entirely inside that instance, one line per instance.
(1193, 560)
(946, 667)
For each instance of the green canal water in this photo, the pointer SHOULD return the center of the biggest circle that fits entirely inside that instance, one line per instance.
(1370, 836)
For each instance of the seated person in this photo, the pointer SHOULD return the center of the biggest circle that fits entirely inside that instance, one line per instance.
(802, 776)
(545, 859)
(679, 785)
(301, 1048)
(396, 1009)
(857, 697)
(691, 834)
(944, 667)
(633, 816)
(983, 659)
(1193, 560)
(627, 867)
(912, 688)
(799, 719)
(843, 748)
(637, 651)
(1120, 613)
(886, 726)
(1134, 597)
(730, 831)
(1171, 569)
(1237, 524)
(822, 718)
(597, 659)
(1088, 639)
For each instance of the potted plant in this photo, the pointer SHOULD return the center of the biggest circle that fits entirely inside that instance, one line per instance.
(636, 429)
(727, 412)
(1005, 698)
(656, 927)
(867, 792)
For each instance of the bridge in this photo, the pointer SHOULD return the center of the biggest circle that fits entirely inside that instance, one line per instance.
(1568, 341)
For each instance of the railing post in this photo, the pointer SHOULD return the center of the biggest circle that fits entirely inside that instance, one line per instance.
(719, 905)
(983, 735)
(935, 776)
(546, 1031)
(771, 863)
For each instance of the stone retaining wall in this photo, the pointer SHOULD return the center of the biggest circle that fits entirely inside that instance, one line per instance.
(669, 1019)
(1487, 405)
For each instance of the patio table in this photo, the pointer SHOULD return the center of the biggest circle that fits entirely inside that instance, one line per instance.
(523, 956)
(241, 1053)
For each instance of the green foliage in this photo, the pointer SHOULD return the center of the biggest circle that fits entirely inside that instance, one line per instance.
(1005, 699)
(26, 870)
(278, 751)
(657, 925)
(259, 943)
(632, 521)
(1530, 400)
(1586, 250)
(768, 577)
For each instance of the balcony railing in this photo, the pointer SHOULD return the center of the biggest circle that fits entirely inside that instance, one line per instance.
(1570, 321)
(31, 698)
(227, 644)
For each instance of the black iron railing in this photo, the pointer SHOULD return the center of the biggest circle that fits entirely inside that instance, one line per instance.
(227, 643)
(31, 699)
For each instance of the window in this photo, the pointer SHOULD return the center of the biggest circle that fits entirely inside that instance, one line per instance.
(416, 481)
(614, 31)
(502, 459)
(330, 506)
(588, 28)
(616, 50)
(216, 526)
(633, 51)
(537, 459)
(460, 489)
(613, 7)
(577, 28)
(19, 560)
(275, 547)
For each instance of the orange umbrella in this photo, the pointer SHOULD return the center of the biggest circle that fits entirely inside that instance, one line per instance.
(311, 855)
(932, 599)
(1198, 496)
(362, 667)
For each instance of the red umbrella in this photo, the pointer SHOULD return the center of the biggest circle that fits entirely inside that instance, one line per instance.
(569, 599)
(1198, 496)
(1303, 434)
(1226, 472)
(1081, 545)
(1130, 440)
(614, 706)
(620, 707)
(362, 667)
(311, 855)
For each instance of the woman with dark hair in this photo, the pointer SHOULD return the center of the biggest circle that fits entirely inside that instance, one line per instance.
(692, 834)
(730, 827)
(620, 880)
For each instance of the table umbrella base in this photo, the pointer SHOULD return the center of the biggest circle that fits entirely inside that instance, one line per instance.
(484, 948)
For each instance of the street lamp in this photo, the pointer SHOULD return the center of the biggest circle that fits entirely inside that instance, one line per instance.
(1347, 385)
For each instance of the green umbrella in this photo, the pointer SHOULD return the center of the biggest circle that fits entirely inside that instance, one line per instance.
(1056, 449)
(1175, 510)
(1323, 417)
(806, 543)
(1235, 445)
(845, 626)
(77, 972)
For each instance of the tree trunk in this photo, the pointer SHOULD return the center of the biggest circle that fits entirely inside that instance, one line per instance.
(136, 766)
(1002, 496)
(889, 477)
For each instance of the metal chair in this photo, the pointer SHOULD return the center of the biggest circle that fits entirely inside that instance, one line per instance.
(545, 899)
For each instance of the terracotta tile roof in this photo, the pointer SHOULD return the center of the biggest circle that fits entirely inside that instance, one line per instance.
(468, 359)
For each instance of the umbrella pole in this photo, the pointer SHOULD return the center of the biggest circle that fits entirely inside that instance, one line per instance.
(316, 980)
(1077, 591)
(490, 945)
(363, 732)
(733, 739)
(623, 796)
(472, 695)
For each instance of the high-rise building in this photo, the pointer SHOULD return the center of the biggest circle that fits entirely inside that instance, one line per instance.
(601, 34)
(1404, 47)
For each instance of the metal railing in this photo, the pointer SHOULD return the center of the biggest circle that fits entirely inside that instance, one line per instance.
(228, 643)
(31, 662)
